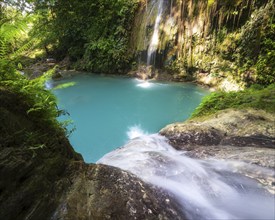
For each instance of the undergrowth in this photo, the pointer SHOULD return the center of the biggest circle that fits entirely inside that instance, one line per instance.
(255, 97)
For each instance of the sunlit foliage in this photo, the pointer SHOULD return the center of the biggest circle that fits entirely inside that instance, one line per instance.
(255, 97)
(41, 102)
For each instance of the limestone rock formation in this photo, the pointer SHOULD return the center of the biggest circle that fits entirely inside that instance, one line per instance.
(247, 135)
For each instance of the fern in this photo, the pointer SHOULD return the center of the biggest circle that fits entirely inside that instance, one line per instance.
(41, 103)
(12, 30)
(3, 48)
(26, 47)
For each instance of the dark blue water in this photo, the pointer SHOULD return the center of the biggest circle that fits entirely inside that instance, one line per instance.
(108, 111)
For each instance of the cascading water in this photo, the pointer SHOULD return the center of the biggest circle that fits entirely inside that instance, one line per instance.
(206, 189)
(153, 46)
(171, 8)
(149, 14)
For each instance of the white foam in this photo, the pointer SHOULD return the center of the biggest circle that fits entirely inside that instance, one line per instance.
(206, 189)
(145, 84)
(49, 84)
(135, 131)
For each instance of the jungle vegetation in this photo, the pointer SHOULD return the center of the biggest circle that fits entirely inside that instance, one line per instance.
(95, 36)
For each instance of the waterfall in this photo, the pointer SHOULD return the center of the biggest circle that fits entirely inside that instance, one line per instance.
(149, 13)
(153, 46)
(206, 189)
(171, 8)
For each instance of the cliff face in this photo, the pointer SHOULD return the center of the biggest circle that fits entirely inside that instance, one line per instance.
(211, 38)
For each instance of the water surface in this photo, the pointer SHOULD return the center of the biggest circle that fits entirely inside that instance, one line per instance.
(108, 111)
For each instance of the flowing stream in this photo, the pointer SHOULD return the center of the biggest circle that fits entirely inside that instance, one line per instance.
(206, 189)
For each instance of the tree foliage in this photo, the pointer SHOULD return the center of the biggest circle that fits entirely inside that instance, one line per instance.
(41, 102)
(94, 34)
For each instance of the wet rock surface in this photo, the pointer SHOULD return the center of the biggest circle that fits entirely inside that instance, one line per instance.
(247, 135)
(105, 192)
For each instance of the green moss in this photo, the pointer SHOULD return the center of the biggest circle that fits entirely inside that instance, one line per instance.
(255, 97)
(210, 3)
(255, 51)
(237, 42)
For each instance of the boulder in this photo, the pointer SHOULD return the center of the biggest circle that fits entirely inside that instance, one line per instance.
(247, 135)
(105, 192)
